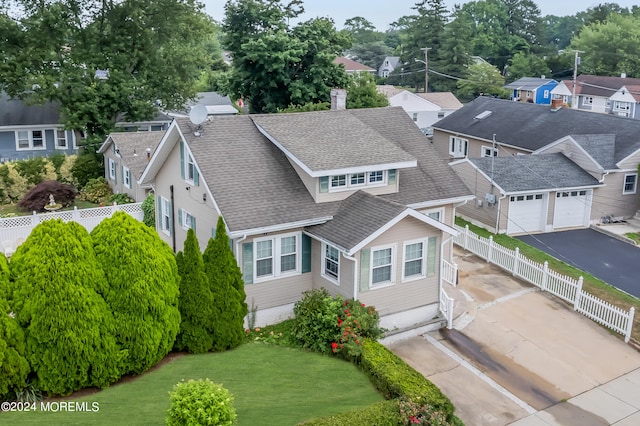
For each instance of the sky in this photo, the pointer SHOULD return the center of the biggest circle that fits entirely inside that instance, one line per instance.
(382, 12)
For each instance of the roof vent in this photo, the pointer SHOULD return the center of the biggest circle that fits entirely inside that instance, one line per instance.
(483, 115)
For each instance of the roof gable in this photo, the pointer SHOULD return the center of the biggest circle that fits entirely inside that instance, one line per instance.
(351, 65)
(530, 83)
(133, 148)
(15, 112)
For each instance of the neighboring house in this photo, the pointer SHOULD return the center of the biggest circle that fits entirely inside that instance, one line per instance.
(353, 201)
(531, 89)
(605, 146)
(160, 121)
(126, 155)
(611, 95)
(352, 67)
(389, 64)
(423, 108)
(28, 131)
(215, 103)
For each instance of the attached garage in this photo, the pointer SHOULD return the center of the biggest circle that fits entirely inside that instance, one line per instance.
(572, 209)
(526, 213)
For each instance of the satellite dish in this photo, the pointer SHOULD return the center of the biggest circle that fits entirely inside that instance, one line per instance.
(198, 114)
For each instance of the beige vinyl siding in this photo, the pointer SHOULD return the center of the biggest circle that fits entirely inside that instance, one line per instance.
(309, 182)
(550, 210)
(345, 285)
(479, 186)
(189, 200)
(503, 212)
(278, 292)
(575, 154)
(610, 201)
(343, 194)
(631, 162)
(401, 296)
(441, 140)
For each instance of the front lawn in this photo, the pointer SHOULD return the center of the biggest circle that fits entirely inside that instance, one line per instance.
(271, 385)
(13, 209)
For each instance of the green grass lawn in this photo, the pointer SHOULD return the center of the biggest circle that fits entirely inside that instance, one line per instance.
(15, 210)
(272, 385)
(591, 284)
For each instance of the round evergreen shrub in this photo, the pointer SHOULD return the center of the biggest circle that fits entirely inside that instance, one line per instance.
(200, 403)
(40, 195)
(149, 210)
(87, 166)
(121, 198)
(96, 191)
(56, 296)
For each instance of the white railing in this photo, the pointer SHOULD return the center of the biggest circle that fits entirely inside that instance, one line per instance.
(446, 307)
(449, 272)
(14, 230)
(566, 288)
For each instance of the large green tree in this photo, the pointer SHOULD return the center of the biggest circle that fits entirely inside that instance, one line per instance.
(195, 301)
(276, 65)
(227, 287)
(482, 79)
(100, 59)
(142, 289)
(56, 295)
(362, 93)
(527, 65)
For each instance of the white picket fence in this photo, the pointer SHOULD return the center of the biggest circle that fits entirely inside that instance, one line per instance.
(14, 230)
(566, 288)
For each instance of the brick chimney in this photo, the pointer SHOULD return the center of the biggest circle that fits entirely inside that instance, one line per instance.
(338, 99)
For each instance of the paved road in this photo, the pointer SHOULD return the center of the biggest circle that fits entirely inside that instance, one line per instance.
(611, 260)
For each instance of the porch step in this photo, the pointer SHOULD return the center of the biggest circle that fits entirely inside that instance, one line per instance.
(436, 323)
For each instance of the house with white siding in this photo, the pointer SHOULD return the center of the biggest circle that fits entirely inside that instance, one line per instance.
(354, 201)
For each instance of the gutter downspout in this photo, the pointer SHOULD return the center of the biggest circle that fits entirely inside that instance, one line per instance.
(173, 219)
(355, 274)
(604, 175)
(502, 197)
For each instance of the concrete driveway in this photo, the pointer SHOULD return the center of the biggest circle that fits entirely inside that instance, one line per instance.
(517, 355)
(605, 257)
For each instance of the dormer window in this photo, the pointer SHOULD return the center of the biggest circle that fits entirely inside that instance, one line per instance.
(339, 181)
(356, 180)
(375, 177)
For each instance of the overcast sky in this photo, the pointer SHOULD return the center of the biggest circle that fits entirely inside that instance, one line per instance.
(382, 12)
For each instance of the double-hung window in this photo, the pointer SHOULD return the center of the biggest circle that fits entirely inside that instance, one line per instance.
(436, 214)
(112, 169)
(187, 219)
(61, 139)
(382, 266)
(630, 183)
(357, 179)
(30, 139)
(414, 260)
(458, 147)
(331, 263)
(376, 177)
(339, 181)
(354, 180)
(165, 215)
(189, 168)
(488, 151)
(276, 256)
(126, 177)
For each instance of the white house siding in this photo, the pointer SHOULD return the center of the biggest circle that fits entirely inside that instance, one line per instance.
(478, 184)
(344, 287)
(187, 199)
(401, 296)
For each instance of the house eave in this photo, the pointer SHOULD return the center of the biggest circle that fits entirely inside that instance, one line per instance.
(280, 227)
(434, 203)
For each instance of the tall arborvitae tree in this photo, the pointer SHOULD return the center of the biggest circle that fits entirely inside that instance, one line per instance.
(195, 301)
(69, 328)
(228, 290)
(454, 55)
(142, 289)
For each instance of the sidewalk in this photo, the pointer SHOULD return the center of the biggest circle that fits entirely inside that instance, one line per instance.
(519, 356)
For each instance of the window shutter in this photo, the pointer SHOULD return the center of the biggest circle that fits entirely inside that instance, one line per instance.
(213, 232)
(180, 217)
(182, 159)
(432, 254)
(122, 173)
(158, 213)
(193, 223)
(392, 176)
(115, 173)
(365, 256)
(247, 263)
(324, 184)
(170, 218)
(306, 253)
(196, 176)
(231, 245)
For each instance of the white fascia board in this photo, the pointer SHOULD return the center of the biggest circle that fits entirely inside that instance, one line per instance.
(161, 153)
(441, 202)
(105, 145)
(324, 240)
(549, 190)
(286, 152)
(280, 227)
(31, 127)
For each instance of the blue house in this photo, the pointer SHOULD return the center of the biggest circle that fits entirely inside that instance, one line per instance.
(28, 131)
(532, 90)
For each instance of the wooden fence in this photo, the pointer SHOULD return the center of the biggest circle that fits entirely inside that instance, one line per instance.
(564, 287)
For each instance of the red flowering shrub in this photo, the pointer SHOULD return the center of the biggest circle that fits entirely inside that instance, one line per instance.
(355, 321)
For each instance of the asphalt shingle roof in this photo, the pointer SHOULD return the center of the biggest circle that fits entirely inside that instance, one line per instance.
(133, 148)
(528, 83)
(14, 112)
(358, 217)
(531, 127)
(534, 172)
(324, 140)
(596, 85)
(600, 147)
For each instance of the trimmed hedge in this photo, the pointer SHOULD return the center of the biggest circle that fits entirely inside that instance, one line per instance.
(384, 413)
(395, 378)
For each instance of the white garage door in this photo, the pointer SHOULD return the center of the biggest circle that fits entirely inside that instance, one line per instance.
(571, 209)
(526, 213)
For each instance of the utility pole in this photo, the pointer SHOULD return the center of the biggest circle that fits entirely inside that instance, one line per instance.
(574, 102)
(426, 66)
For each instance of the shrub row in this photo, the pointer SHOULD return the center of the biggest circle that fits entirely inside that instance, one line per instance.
(384, 413)
(18, 177)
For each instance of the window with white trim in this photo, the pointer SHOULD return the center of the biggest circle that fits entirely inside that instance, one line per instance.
(276, 256)
(30, 139)
(331, 263)
(487, 151)
(621, 106)
(353, 180)
(187, 220)
(587, 100)
(189, 168)
(435, 214)
(382, 266)
(376, 177)
(126, 177)
(415, 116)
(630, 183)
(458, 147)
(545, 94)
(339, 181)
(61, 139)
(414, 260)
(165, 216)
(112, 169)
(357, 179)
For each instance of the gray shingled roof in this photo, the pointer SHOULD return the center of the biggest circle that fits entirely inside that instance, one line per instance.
(358, 217)
(324, 140)
(530, 126)
(535, 172)
(251, 180)
(600, 147)
(528, 83)
(133, 146)
(14, 112)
